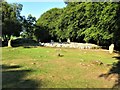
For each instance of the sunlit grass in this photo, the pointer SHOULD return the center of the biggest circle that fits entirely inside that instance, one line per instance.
(42, 67)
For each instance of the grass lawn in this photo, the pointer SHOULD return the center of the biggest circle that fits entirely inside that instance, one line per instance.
(41, 67)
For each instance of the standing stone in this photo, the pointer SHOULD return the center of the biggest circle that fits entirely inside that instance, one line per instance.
(111, 48)
(52, 42)
(68, 40)
(60, 40)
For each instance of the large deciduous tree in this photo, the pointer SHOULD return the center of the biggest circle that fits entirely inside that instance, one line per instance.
(49, 20)
(91, 21)
(28, 26)
(11, 20)
(94, 22)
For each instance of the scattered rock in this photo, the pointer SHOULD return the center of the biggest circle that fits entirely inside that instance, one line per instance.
(88, 65)
(72, 45)
(97, 62)
(108, 65)
(60, 55)
(52, 76)
(33, 63)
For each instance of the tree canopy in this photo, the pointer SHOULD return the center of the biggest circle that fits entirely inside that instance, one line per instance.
(28, 26)
(49, 21)
(11, 20)
(94, 22)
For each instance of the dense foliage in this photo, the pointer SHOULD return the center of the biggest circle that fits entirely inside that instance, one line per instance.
(11, 24)
(49, 21)
(28, 26)
(94, 22)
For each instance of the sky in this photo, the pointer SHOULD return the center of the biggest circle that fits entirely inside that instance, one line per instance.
(37, 8)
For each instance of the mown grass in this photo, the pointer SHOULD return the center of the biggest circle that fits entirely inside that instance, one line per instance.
(41, 67)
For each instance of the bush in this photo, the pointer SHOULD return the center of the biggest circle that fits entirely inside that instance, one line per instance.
(24, 42)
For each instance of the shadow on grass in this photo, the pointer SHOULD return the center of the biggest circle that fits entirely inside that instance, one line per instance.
(10, 67)
(12, 78)
(115, 70)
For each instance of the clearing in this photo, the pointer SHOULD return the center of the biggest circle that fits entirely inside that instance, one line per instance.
(43, 67)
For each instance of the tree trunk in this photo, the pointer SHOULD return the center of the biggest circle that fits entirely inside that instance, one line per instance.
(9, 43)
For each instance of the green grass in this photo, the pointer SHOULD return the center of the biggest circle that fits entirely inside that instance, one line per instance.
(42, 68)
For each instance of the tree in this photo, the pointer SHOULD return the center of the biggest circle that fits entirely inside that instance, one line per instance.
(96, 22)
(28, 26)
(101, 23)
(41, 34)
(11, 25)
(89, 21)
(69, 22)
(49, 20)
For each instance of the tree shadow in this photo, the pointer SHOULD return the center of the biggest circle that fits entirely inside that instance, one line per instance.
(10, 67)
(15, 78)
(115, 70)
(25, 42)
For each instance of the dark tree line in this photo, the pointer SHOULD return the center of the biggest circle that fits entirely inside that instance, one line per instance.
(91, 22)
